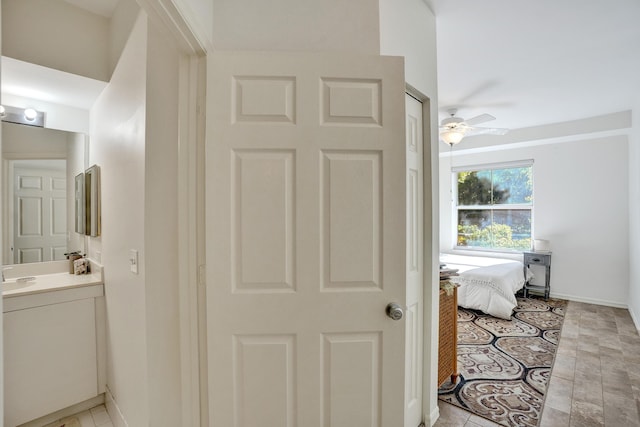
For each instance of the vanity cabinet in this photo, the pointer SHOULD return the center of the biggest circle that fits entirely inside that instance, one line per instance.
(50, 357)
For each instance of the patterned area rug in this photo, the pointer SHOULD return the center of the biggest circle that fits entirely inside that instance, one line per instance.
(505, 365)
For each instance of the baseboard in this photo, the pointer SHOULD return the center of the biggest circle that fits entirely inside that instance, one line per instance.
(113, 410)
(635, 319)
(589, 300)
(66, 412)
(433, 416)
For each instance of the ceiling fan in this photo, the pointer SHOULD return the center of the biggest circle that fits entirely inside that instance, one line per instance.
(454, 128)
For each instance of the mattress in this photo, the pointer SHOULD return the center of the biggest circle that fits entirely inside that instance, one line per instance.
(487, 284)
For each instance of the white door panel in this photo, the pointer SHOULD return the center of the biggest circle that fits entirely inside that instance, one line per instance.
(415, 276)
(40, 214)
(305, 200)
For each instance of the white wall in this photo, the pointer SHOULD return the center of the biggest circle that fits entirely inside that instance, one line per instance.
(54, 26)
(118, 147)
(122, 20)
(408, 28)
(160, 253)
(302, 25)
(135, 142)
(580, 205)
(199, 16)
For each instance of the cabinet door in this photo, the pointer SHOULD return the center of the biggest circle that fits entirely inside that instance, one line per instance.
(49, 359)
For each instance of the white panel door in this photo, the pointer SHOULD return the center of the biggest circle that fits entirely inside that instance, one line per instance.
(40, 214)
(305, 201)
(415, 276)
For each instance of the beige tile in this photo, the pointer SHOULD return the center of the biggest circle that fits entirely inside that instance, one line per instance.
(588, 331)
(587, 366)
(559, 394)
(475, 420)
(588, 343)
(564, 366)
(616, 382)
(451, 415)
(632, 358)
(611, 356)
(588, 391)
(620, 411)
(610, 341)
(100, 416)
(552, 417)
(569, 343)
(85, 418)
(627, 330)
(570, 329)
(585, 414)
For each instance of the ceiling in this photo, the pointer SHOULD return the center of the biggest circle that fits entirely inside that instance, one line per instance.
(530, 63)
(99, 7)
(526, 63)
(46, 84)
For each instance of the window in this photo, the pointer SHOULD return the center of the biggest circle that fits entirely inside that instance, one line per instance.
(494, 204)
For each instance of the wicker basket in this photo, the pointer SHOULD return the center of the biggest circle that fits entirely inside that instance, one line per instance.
(448, 337)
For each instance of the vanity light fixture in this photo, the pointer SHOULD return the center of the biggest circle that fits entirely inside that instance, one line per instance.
(30, 114)
(22, 116)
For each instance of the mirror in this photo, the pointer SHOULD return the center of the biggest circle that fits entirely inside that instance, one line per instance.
(39, 167)
(92, 201)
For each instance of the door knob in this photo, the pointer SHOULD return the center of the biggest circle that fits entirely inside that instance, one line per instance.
(395, 311)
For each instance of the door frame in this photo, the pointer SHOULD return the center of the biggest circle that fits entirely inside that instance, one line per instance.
(431, 250)
(191, 284)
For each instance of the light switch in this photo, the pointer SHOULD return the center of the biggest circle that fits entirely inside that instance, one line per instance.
(133, 261)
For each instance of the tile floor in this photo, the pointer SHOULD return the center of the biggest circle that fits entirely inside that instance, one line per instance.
(595, 380)
(94, 417)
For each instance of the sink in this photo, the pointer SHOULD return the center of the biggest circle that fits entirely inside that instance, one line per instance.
(13, 284)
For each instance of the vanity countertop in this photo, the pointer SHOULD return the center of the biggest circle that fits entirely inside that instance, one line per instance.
(48, 283)
(50, 287)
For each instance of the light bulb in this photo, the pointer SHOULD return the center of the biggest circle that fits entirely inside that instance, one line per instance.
(30, 114)
(452, 137)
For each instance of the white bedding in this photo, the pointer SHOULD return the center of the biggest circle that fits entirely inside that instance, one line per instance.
(487, 284)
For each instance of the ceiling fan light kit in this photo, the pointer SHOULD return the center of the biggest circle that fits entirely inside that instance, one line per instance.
(452, 137)
(453, 129)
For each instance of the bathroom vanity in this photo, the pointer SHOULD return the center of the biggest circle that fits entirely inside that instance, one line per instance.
(54, 339)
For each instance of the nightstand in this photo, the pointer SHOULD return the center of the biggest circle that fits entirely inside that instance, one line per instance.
(538, 258)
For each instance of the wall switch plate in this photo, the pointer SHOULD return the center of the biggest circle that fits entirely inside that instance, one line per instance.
(133, 261)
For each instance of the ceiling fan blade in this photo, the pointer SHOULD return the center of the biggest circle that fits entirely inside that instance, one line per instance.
(482, 118)
(486, 131)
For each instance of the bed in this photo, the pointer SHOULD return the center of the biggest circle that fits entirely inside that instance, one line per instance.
(487, 284)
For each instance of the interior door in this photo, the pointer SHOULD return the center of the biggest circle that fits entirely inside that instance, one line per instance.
(415, 274)
(40, 212)
(305, 202)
